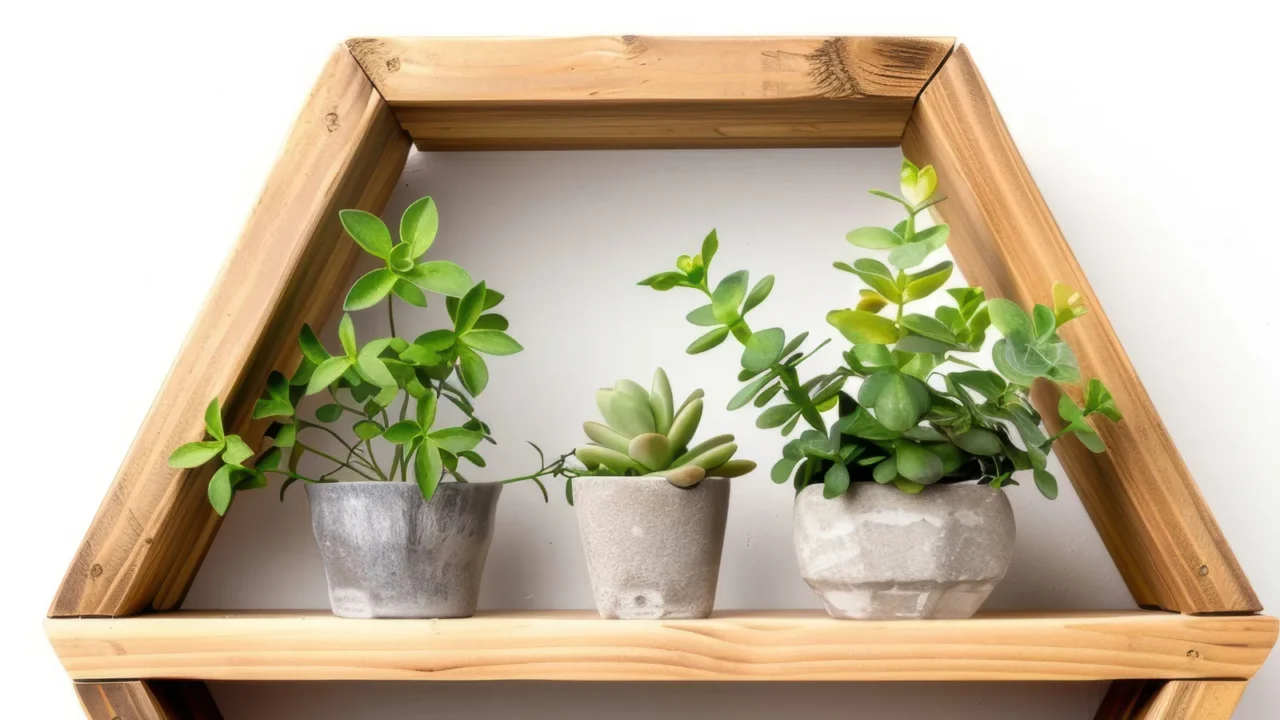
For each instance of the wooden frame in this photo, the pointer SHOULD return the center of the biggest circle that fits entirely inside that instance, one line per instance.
(375, 96)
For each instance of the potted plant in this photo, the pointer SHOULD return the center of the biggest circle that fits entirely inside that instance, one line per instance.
(391, 548)
(652, 505)
(899, 511)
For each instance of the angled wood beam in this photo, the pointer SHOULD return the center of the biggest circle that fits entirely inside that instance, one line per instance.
(155, 525)
(147, 700)
(1140, 494)
(632, 91)
(1171, 700)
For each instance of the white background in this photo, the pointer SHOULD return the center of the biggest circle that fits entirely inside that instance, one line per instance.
(136, 139)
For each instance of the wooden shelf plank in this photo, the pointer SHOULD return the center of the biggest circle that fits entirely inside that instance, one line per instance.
(772, 645)
(650, 92)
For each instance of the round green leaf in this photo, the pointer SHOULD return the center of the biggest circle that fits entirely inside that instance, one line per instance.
(492, 321)
(776, 416)
(375, 371)
(400, 259)
(664, 281)
(703, 316)
(835, 482)
(475, 374)
(427, 469)
(440, 276)
(916, 463)
(195, 454)
(367, 429)
(237, 450)
(979, 441)
(763, 349)
(220, 490)
(901, 402)
(758, 293)
(710, 244)
(469, 309)
(743, 396)
(923, 283)
(327, 373)
(860, 326)
(728, 296)
(418, 226)
(213, 419)
(874, 238)
(708, 341)
(369, 290)
(347, 335)
(456, 439)
(1009, 318)
(886, 471)
(329, 413)
(368, 231)
(879, 277)
(1046, 483)
(492, 342)
(312, 348)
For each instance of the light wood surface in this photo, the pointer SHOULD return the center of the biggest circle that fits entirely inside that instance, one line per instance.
(784, 645)
(288, 267)
(650, 92)
(1171, 700)
(1140, 494)
(1195, 700)
(147, 700)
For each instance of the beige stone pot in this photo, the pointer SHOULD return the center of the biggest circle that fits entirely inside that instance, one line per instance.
(877, 553)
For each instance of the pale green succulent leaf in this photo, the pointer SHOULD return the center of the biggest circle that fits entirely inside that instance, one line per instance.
(661, 402)
(651, 450)
(685, 424)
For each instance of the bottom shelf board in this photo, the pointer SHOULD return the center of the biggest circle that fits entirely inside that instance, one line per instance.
(783, 645)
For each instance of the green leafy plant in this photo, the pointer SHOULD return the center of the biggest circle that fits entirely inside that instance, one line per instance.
(372, 388)
(921, 413)
(645, 434)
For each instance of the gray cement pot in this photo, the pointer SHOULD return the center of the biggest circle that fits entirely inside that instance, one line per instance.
(389, 554)
(876, 553)
(653, 549)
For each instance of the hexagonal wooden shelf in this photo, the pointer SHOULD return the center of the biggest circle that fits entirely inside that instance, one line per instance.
(133, 656)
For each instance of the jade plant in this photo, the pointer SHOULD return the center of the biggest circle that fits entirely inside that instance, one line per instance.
(921, 412)
(645, 434)
(385, 390)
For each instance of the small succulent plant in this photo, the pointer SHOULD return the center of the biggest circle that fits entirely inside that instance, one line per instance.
(645, 434)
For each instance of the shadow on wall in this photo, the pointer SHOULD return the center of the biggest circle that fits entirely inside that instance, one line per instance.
(566, 236)
(625, 701)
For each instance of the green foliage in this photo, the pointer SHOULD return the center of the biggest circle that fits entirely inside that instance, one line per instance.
(645, 434)
(365, 385)
(922, 413)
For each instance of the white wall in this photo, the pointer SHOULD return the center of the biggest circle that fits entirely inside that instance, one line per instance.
(135, 140)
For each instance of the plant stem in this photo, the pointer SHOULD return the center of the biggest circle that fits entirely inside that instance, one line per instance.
(304, 425)
(391, 316)
(373, 463)
(331, 458)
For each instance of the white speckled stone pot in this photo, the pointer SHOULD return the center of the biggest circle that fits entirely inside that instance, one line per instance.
(877, 553)
(389, 554)
(653, 549)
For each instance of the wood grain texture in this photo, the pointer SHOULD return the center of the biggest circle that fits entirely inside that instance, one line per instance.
(1171, 700)
(147, 700)
(1195, 700)
(288, 267)
(1127, 699)
(786, 645)
(650, 92)
(1140, 494)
